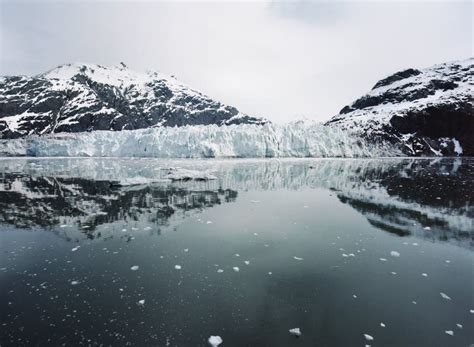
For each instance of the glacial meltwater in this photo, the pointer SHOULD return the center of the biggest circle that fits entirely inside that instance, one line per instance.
(307, 252)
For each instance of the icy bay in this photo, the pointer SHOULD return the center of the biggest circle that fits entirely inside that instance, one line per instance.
(256, 252)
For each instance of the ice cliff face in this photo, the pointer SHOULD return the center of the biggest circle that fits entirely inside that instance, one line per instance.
(423, 112)
(298, 139)
(86, 97)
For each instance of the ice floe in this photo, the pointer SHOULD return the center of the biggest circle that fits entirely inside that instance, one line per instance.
(368, 337)
(295, 331)
(214, 341)
(444, 296)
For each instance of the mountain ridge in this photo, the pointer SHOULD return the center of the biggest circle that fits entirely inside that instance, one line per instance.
(414, 112)
(428, 111)
(85, 97)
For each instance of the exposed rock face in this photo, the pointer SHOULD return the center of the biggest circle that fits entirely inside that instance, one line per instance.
(85, 97)
(426, 112)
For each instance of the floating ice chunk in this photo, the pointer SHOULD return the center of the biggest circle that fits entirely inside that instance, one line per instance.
(449, 332)
(237, 254)
(246, 262)
(75, 248)
(141, 302)
(444, 296)
(215, 341)
(134, 268)
(394, 254)
(295, 331)
(177, 267)
(297, 258)
(63, 225)
(74, 283)
(186, 249)
(383, 259)
(354, 296)
(351, 255)
(393, 273)
(382, 325)
(413, 302)
(220, 271)
(415, 243)
(236, 269)
(459, 325)
(209, 222)
(427, 228)
(147, 228)
(272, 273)
(447, 261)
(179, 174)
(472, 311)
(368, 337)
(344, 255)
(424, 274)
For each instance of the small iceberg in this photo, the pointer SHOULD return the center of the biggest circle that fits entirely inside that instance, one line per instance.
(214, 341)
(444, 296)
(368, 337)
(295, 332)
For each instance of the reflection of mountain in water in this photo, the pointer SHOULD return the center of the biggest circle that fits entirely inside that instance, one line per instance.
(427, 198)
(45, 201)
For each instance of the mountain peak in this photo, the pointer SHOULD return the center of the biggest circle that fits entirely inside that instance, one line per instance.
(79, 97)
(428, 110)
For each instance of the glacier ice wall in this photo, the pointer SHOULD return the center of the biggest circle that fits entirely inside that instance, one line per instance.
(298, 139)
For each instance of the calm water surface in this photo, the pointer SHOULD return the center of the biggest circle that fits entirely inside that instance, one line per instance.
(104, 252)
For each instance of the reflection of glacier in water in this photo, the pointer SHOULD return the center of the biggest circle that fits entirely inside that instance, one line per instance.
(427, 198)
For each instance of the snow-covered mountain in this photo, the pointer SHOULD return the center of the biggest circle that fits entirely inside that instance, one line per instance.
(412, 112)
(86, 97)
(423, 112)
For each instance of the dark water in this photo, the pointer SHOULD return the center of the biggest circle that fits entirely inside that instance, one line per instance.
(333, 247)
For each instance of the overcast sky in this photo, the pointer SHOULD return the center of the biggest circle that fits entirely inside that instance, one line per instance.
(280, 60)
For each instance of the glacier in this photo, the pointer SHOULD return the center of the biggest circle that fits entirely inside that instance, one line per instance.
(296, 139)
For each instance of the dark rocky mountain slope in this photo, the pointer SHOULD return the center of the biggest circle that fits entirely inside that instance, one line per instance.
(425, 112)
(86, 97)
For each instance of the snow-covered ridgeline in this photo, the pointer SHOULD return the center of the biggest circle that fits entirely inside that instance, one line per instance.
(299, 139)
